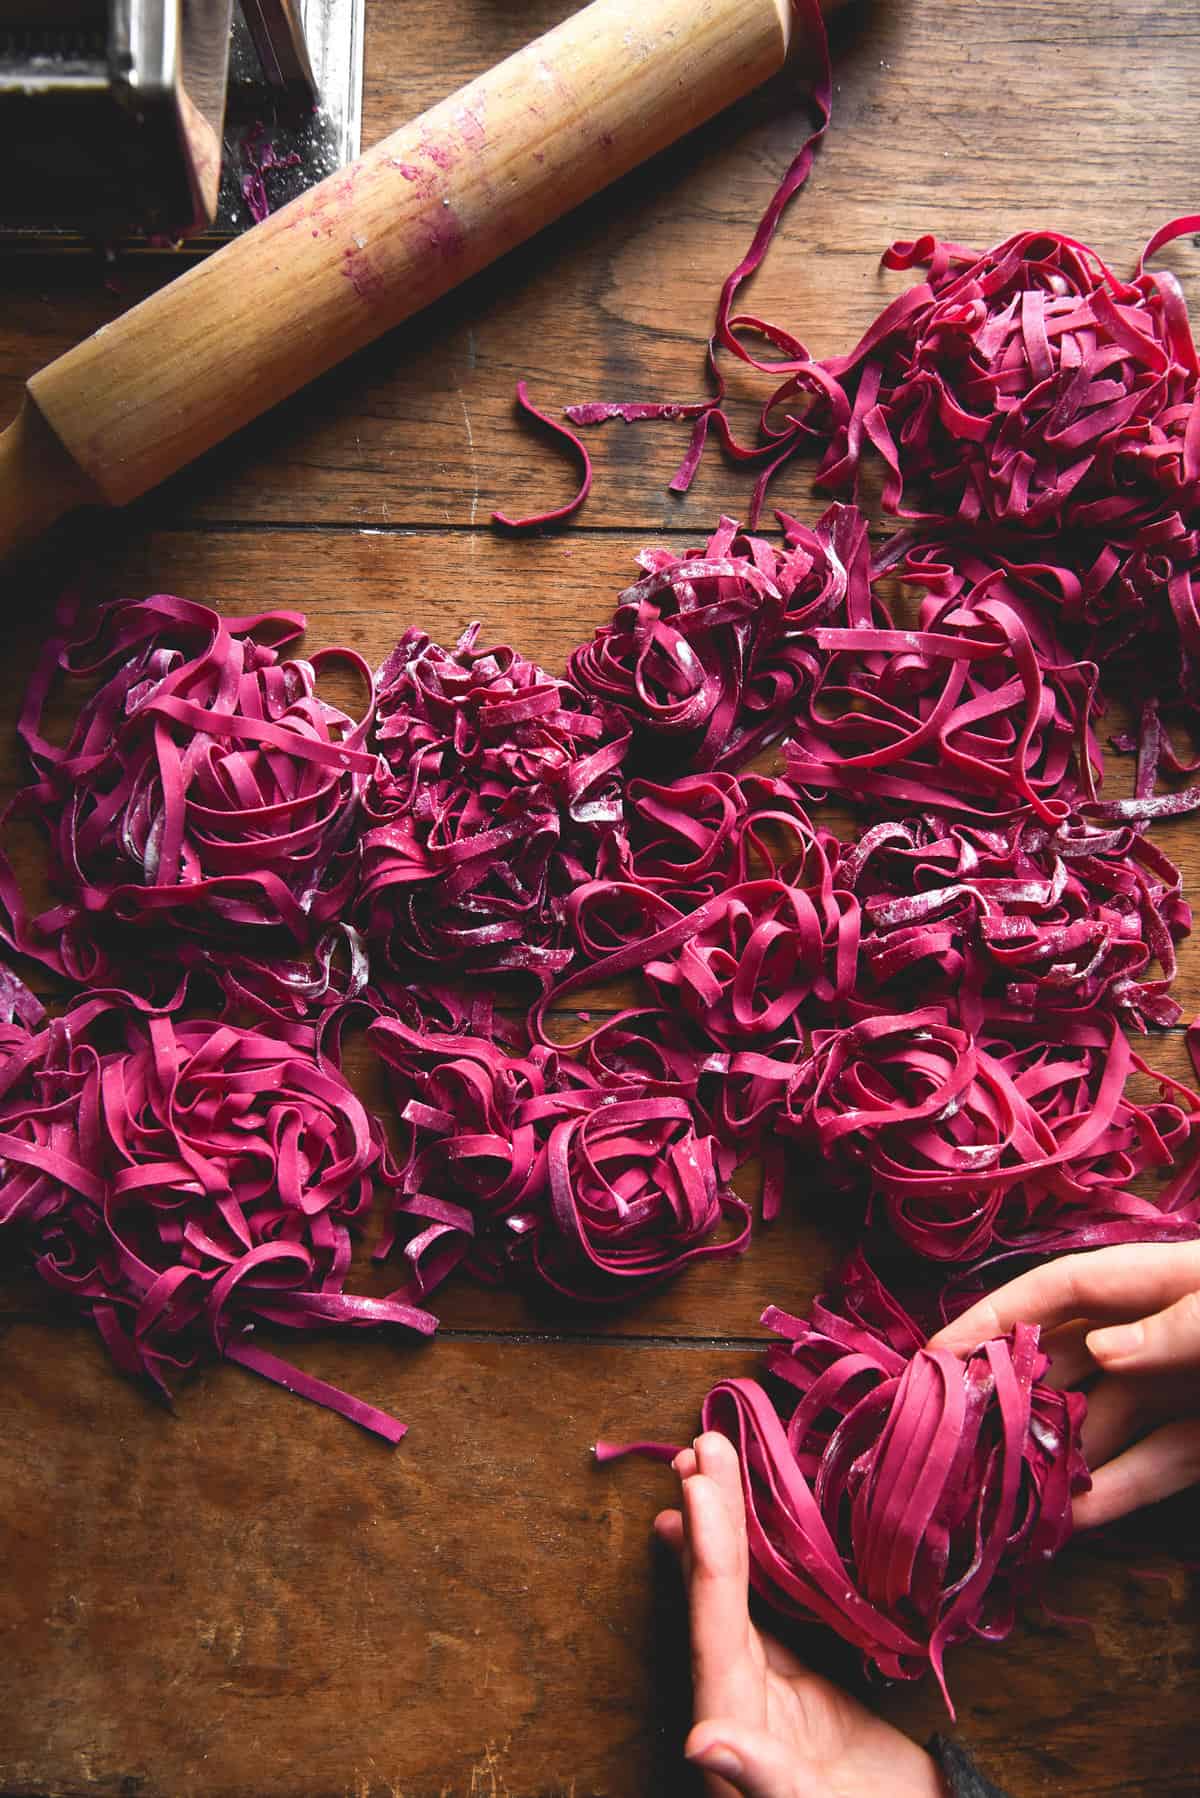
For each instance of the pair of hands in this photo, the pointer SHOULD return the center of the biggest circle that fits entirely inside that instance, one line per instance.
(1126, 1318)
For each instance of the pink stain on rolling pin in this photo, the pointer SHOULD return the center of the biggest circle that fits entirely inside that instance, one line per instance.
(425, 180)
(445, 232)
(470, 127)
(313, 210)
(362, 275)
(442, 154)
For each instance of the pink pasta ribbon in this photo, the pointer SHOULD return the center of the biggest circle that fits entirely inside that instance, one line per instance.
(186, 1181)
(709, 652)
(522, 1164)
(975, 1146)
(899, 1495)
(495, 780)
(207, 789)
(1016, 920)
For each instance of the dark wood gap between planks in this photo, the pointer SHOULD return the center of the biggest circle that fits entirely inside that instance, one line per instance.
(736, 1345)
(246, 527)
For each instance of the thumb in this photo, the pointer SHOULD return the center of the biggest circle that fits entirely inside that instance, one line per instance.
(1167, 1341)
(753, 1762)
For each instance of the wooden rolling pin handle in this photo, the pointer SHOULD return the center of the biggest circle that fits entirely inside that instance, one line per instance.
(38, 480)
(429, 206)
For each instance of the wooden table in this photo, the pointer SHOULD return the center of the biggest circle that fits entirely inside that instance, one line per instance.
(250, 1598)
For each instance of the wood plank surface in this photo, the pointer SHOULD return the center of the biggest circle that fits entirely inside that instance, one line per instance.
(239, 1601)
(250, 1599)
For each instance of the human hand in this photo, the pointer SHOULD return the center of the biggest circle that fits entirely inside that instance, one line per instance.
(763, 1720)
(1130, 1314)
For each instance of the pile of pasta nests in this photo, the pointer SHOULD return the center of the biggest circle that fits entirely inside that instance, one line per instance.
(923, 1023)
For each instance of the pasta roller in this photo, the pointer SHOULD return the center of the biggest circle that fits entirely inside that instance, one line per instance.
(170, 123)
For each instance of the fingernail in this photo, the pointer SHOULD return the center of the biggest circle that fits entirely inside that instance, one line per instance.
(717, 1758)
(1117, 1343)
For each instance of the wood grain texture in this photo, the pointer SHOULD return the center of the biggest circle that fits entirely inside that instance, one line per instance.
(251, 1599)
(242, 1601)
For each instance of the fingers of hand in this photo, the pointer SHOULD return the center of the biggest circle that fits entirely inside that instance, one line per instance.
(1162, 1463)
(668, 1527)
(1166, 1340)
(1071, 1360)
(1123, 1281)
(685, 1464)
(1119, 1411)
(727, 1674)
(753, 1762)
(718, 1461)
(718, 1559)
(715, 1457)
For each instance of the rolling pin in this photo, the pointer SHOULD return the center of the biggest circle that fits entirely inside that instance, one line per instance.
(429, 206)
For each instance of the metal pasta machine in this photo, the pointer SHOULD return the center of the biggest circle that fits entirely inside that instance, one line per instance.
(169, 123)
